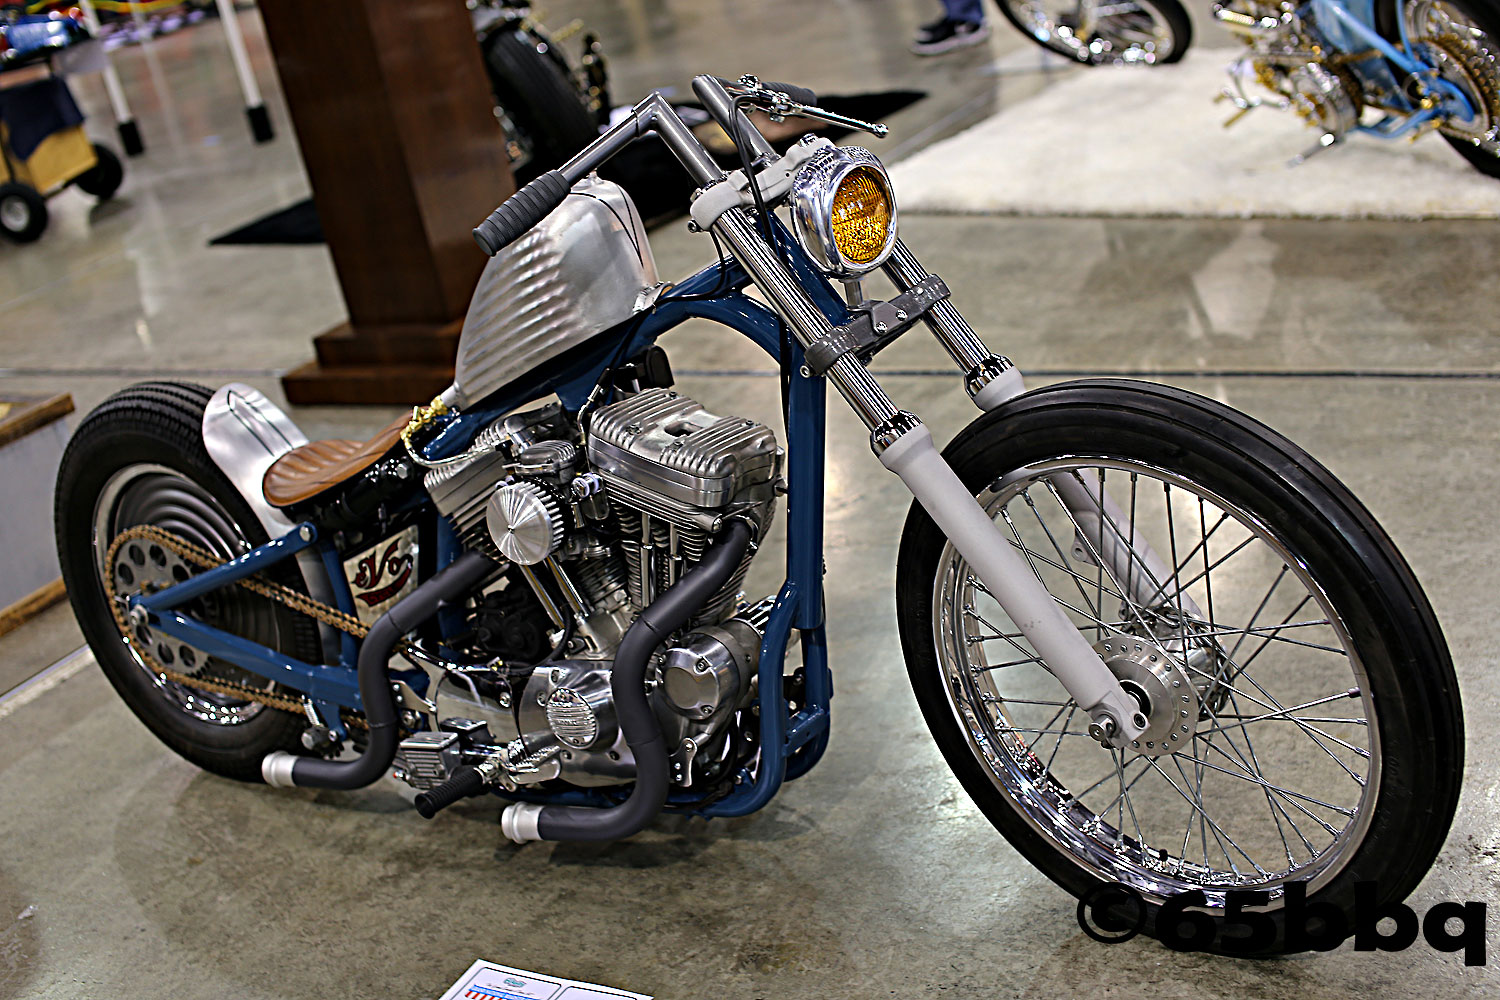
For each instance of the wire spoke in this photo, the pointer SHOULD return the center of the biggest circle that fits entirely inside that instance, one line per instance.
(1062, 558)
(1245, 775)
(1260, 802)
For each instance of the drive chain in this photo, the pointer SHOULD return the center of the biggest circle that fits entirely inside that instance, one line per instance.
(256, 584)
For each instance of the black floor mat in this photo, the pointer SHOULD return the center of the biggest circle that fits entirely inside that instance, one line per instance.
(645, 168)
(294, 224)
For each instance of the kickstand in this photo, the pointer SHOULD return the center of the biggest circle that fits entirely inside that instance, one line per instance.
(1325, 141)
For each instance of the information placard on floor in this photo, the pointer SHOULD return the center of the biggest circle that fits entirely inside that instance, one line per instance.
(488, 981)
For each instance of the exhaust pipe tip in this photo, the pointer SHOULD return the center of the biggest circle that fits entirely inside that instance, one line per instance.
(518, 821)
(276, 769)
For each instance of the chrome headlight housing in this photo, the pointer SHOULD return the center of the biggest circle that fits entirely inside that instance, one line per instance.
(844, 211)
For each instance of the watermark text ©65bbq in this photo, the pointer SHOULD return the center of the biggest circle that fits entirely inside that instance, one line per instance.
(1113, 913)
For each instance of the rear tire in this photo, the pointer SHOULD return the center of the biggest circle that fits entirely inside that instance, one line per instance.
(540, 100)
(1402, 727)
(139, 458)
(1472, 63)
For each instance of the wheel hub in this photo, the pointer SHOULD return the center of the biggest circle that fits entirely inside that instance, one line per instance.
(14, 214)
(145, 568)
(1162, 689)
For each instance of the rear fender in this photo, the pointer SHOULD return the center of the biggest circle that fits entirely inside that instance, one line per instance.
(244, 433)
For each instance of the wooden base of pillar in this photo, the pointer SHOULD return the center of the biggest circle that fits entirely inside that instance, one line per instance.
(403, 365)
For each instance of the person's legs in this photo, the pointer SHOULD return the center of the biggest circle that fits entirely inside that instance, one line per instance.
(962, 24)
(968, 11)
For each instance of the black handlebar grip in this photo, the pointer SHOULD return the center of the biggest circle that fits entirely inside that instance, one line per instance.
(464, 781)
(521, 211)
(799, 94)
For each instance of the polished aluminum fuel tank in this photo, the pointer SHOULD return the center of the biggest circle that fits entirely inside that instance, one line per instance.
(583, 269)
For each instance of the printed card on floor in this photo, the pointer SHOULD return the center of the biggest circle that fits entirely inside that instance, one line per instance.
(488, 981)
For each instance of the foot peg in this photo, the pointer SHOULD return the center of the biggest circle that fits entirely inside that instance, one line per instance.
(464, 782)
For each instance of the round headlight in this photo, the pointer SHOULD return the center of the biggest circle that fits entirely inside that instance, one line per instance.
(843, 211)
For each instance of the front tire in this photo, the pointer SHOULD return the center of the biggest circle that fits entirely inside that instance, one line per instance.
(1324, 735)
(139, 459)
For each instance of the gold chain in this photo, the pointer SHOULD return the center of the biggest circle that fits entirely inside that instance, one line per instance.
(1479, 65)
(421, 416)
(255, 584)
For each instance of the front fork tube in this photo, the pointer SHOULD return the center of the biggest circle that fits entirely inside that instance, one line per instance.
(1104, 531)
(905, 447)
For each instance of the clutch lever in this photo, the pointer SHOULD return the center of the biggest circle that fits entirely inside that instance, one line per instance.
(780, 106)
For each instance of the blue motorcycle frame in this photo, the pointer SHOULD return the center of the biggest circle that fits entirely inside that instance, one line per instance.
(1350, 24)
(791, 743)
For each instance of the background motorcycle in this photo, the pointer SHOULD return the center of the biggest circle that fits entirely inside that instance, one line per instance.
(1156, 642)
(1418, 64)
(548, 108)
(1105, 32)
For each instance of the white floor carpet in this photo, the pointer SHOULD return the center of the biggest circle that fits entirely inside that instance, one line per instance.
(1136, 141)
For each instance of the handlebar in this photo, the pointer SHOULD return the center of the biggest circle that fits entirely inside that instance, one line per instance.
(802, 95)
(523, 210)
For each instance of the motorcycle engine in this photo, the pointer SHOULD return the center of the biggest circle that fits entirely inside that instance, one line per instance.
(1287, 55)
(591, 529)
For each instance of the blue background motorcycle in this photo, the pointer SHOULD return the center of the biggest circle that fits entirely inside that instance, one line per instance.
(1388, 68)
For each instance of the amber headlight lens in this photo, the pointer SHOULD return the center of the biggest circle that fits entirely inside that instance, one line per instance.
(844, 213)
(861, 216)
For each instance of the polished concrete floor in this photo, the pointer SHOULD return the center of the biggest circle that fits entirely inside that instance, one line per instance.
(128, 873)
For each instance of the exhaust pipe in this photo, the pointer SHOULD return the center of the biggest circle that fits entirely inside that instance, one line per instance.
(523, 821)
(284, 770)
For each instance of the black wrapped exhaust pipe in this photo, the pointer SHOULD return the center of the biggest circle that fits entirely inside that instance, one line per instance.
(523, 821)
(285, 770)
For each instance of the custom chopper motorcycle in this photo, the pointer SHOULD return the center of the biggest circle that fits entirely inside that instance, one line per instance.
(1410, 65)
(1158, 643)
(1105, 32)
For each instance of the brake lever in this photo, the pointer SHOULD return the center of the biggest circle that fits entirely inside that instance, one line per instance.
(780, 107)
(876, 129)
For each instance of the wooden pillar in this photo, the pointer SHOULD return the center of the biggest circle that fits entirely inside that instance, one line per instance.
(394, 115)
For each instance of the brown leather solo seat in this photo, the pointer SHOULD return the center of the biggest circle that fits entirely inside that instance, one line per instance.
(304, 472)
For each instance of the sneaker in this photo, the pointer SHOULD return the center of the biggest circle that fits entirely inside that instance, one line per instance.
(946, 35)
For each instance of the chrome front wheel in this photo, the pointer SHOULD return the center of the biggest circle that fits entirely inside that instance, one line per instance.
(1260, 762)
(1269, 658)
(1101, 32)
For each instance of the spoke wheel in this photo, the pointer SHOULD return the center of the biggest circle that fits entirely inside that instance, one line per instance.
(1259, 764)
(1134, 32)
(1303, 720)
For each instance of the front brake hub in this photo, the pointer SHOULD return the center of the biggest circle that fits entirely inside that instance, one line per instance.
(1162, 689)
